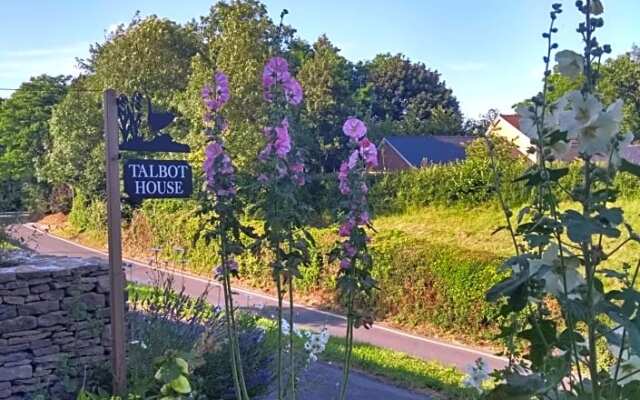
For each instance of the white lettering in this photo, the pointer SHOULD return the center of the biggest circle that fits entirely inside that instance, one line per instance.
(140, 187)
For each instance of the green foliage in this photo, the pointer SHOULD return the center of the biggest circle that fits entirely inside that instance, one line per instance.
(467, 183)
(408, 92)
(620, 79)
(238, 36)
(151, 55)
(425, 284)
(76, 154)
(25, 140)
(327, 79)
(88, 215)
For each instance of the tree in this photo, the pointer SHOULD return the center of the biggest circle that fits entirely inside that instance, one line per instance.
(76, 153)
(24, 138)
(239, 38)
(620, 78)
(150, 55)
(327, 79)
(406, 91)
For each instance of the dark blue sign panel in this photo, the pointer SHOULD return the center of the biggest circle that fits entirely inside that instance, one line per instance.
(157, 179)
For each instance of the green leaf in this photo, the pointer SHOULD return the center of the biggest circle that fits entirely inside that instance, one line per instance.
(507, 286)
(629, 167)
(181, 385)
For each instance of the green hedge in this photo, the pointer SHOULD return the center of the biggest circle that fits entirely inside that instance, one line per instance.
(422, 284)
(443, 286)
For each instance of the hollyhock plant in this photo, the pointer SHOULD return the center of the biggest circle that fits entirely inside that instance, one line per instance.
(221, 210)
(354, 128)
(355, 282)
(565, 253)
(276, 76)
(281, 174)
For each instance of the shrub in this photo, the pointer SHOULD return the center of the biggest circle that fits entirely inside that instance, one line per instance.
(88, 215)
(422, 283)
(468, 183)
(214, 375)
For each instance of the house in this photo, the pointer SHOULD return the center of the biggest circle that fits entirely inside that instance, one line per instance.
(508, 126)
(407, 152)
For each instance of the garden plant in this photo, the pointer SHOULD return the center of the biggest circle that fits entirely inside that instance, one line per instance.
(571, 313)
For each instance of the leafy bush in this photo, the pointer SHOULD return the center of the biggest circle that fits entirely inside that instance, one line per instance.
(422, 283)
(468, 183)
(215, 375)
(88, 215)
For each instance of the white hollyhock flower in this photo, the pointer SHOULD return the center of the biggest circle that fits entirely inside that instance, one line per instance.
(553, 278)
(560, 150)
(527, 121)
(570, 63)
(582, 111)
(551, 118)
(597, 137)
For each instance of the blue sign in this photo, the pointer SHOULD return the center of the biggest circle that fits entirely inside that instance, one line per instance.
(157, 179)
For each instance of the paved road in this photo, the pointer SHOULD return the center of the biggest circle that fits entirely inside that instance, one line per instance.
(421, 347)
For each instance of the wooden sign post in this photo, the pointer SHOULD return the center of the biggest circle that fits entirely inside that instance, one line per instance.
(143, 179)
(116, 275)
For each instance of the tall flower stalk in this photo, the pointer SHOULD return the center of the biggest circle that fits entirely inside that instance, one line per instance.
(221, 211)
(281, 176)
(355, 283)
(566, 256)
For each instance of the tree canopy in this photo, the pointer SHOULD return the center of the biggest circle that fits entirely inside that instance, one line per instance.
(24, 139)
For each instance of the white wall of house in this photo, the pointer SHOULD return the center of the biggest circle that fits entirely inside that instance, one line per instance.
(504, 129)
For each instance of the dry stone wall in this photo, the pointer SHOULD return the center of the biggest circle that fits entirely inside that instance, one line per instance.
(54, 322)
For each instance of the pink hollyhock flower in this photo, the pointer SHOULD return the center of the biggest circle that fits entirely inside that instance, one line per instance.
(363, 218)
(297, 168)
(369, 152)
(213, 150)
(353, 159)
(283, 140)
(276, 70)
(349, 249)
(222, 86)
(354, 128)
(343, 173)
(262, 178)
(346, 227)
(292, 91)
(344, 187)
(265, 153)
(215, 98)
(345, 263)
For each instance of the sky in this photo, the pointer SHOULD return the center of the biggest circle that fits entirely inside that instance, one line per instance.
(489, 52)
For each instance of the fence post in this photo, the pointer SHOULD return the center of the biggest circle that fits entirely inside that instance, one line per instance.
(116, 275)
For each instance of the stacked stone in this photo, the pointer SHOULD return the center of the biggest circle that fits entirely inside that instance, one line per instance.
(54, 322)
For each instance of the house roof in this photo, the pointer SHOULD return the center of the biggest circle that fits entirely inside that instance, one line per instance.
(513, 119)
(436, 149)
(630, 153)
